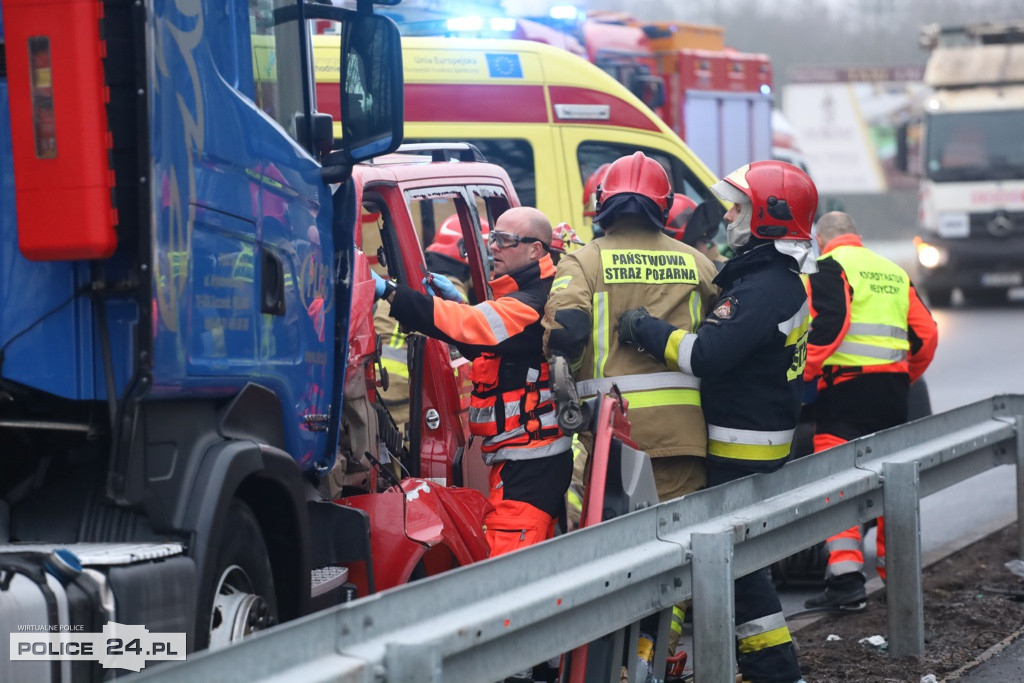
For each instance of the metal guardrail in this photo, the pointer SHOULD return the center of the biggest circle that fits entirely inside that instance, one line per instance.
(493, 618)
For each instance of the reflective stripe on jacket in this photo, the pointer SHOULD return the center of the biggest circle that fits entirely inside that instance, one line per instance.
(634, 266)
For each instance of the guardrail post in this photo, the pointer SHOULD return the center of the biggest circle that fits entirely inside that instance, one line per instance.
(904, 600)
(714, 632)
(1018, 423)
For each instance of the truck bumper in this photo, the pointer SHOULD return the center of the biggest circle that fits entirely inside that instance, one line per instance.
(974, 264)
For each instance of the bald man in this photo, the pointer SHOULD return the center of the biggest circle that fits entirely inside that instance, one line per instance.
(511, 406)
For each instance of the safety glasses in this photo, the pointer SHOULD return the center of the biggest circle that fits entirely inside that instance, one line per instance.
(507, 240)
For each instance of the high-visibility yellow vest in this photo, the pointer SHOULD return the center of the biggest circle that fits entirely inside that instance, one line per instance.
(878, 312)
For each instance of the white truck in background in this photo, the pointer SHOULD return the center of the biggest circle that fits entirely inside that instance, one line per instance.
(971, 217)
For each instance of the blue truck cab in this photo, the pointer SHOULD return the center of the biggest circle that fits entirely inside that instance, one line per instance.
(175, 278)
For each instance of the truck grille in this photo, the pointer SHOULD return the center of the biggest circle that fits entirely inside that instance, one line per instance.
(997, 224)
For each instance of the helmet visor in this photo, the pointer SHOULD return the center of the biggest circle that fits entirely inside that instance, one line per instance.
(728, 192)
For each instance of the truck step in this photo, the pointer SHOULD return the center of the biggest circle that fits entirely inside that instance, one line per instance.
(326, 579)
(103, 554)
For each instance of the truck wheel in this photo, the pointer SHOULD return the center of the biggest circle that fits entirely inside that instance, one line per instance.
(240, 599)
(939, 298)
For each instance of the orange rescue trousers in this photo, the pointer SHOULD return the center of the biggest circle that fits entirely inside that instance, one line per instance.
(845, 549)
(528, 498)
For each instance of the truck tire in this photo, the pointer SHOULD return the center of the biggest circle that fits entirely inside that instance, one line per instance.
(240, 599)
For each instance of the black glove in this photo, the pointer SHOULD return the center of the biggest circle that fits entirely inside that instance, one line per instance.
(643, 330)
(629, 325)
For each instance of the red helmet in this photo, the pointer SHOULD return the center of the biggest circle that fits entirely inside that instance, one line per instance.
(636, 174)
(783, 198)
(682, 208)
(590, 189)
(448, 239)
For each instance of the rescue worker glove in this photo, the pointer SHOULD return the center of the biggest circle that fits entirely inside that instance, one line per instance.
(379, 284)
(641, 329)
(439, 285)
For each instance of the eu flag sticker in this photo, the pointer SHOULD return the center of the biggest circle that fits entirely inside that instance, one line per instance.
(504, 66)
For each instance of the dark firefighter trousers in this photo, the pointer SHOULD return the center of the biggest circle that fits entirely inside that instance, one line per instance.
(764, 646)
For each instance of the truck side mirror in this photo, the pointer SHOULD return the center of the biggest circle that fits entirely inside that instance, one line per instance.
(371, 86)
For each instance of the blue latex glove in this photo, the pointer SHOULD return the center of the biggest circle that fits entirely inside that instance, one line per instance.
(378, 285)
(443, 287)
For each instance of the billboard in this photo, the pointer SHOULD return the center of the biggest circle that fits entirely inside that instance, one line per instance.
(846, 119)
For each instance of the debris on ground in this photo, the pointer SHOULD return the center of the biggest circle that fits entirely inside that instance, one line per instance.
(969, 606)
(875, 642)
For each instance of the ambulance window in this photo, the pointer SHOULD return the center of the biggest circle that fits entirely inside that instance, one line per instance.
(592, 155)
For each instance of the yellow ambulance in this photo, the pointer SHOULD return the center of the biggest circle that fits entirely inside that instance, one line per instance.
(548, 117)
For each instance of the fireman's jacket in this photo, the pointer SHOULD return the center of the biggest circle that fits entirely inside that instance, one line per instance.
(749, 355)
(867, 317)
(633, 266)
(511, 405)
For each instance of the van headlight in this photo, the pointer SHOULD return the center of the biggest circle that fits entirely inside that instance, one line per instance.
(929, 255)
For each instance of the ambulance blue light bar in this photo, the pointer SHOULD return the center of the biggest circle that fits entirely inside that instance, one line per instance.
(476, 24)
(564, 12)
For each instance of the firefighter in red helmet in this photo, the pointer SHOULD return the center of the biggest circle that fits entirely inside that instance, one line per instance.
(634, 264)
(749, 355)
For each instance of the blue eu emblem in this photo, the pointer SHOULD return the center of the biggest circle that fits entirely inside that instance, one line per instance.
(504, 66)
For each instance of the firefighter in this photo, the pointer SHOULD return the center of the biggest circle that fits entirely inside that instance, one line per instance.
(870, 338)
(749, 356)
(511, 405)
(635, 263)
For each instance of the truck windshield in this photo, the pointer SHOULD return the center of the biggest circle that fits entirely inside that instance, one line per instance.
(975, 146)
